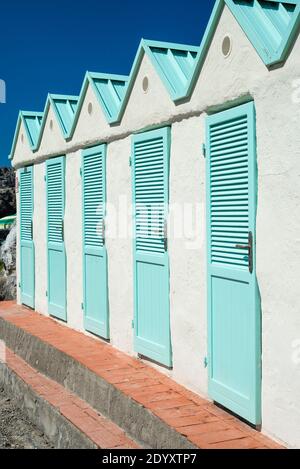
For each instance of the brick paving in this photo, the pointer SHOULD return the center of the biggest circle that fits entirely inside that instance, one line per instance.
(199, 420)
(97, 428)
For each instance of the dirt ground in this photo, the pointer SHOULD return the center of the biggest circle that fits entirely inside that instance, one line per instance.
(16, 431)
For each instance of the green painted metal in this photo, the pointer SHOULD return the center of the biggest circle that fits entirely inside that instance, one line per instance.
(55, 180)
(150, 178)
(7, 221)
(234, 319)
(27, 256)
(95, 283)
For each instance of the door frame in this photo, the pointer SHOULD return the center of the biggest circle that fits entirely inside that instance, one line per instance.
(253, 180)
(53, 313)
(25, 169)
(105, 334)
(166, 132)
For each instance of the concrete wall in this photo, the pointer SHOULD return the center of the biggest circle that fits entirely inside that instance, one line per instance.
(222, 83)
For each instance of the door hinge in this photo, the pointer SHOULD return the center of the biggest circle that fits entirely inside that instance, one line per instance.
(132, 324)
(82, 306)
(130, 161)
(205, 362)
(204, 150)
(45, 178)
(80, 171)
(46, 293)
(19, 284)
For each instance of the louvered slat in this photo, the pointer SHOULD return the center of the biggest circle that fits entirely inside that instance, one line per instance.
(55, 198)
(229, 198)
(93, 199)
(149, 195)
(26, 201)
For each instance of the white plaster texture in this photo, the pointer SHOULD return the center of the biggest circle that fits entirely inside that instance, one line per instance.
(40, 238)
(221, 84)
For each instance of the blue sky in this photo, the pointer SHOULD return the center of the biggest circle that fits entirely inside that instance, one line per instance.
(47, 46)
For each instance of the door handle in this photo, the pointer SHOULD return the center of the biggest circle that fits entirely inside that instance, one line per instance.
(165, 235)
(249, 247)
(31, 229)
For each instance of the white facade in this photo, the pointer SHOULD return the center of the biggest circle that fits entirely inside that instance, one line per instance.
(222, 83)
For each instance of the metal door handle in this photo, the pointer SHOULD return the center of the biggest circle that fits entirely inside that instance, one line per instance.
(165, 235)
(248, 246)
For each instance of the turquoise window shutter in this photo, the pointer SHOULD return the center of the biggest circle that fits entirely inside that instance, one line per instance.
(234, 335)
(150, 172)
(95, 283)
(55, 177)
(26, 237)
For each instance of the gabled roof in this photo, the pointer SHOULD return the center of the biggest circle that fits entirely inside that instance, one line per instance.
(110, 90)
(32, 123)
(270, 25)
(65, 108)
(174, 63)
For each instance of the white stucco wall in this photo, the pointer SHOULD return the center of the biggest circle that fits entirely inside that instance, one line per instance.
(73, 240)
(222, 83)
(119, 249)
(40, 238)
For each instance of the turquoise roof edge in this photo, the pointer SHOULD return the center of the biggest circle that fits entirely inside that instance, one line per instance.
(21, 118)
(88, 79)
(269, 57)
(145, 46)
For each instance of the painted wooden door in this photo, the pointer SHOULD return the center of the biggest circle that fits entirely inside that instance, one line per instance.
(233, 302)
(95, 289)
(55, 177)
(150, 167)
(26, 236)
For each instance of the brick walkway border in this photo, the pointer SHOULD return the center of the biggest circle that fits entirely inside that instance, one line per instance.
(200, 421)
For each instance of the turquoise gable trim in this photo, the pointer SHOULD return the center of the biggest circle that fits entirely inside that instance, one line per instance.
(32, 122)
(65, 108)
(110, 90)
(270, 25)
(174, 63)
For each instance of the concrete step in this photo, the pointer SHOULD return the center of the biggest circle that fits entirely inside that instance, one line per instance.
(148, 406)
(67, 421)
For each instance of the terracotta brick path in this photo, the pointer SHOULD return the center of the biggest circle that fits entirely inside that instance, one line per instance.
(97, 428)
(204, 424)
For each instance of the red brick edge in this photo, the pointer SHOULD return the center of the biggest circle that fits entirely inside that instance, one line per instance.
(97, 428)
(204, 424)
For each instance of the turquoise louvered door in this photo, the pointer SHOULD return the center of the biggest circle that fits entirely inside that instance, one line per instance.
(233, 302)
(150, 152)
(26, 236)
(95, 289)
(55, 178)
